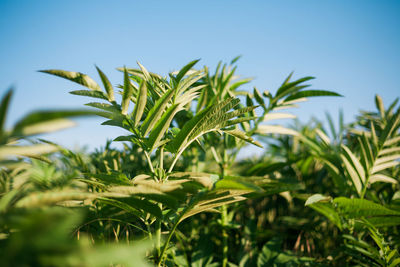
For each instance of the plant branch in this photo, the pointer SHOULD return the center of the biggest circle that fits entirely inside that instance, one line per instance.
(149, 161)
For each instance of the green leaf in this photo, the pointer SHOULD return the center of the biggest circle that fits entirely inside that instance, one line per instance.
(44, 127)
(185, 69)
(76, 77)
(269, 186)
(269, 253)
(275, 129)
(26, 151)
(311, 93)
(316, 198)
(182, 137)
(385, 162)
(145, 187)
(156, 112)
(107, 85)
(6, 199)
(94, 94)
(356, 208)
(238, 83)
(41, 199)
(354, 168)
(36, 122)
(381, 178)
(234, 60)
(324, 138)
(119, 204)
(205, 179)
(144, 205)
(111, 179)
(368, 154)
(278, 116)
(141, 100)
(3, 109)
(328, 211)
(264, 168)
(118, 121)
(395, 262)
(275, 186)
(242, 135)
(286, 81)
(128, 138)
(135, 206)
(185, 84)
(289, 87)
(127, 93)
(391, 127)
(384, 221)
(209, 119)
(236, 183)
(162, 126)
(146, 74)
(380, 106)
(104, 106)
(212, 200)
(239, 120)
(258, 97)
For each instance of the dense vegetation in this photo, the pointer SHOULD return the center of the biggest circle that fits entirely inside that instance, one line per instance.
(177, 194)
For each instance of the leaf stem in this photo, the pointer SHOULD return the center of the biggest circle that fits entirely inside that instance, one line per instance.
(162, 157)
(224, 212)
(224, 221)
(149, 161)
(158, 235)
(174, 161)
(161, 256)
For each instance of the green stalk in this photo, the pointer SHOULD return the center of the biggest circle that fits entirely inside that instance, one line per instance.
(224, 213)
(190, 205)
(174, 161)
(158, 235)
(364, 190)
(224, 219)
(149, 161)
(149, 230)
(162, 157)
(161, 255)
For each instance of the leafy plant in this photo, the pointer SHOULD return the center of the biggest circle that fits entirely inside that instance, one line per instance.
(178, 193)
(369, 158)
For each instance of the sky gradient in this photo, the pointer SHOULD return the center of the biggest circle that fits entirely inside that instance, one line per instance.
(351, 47)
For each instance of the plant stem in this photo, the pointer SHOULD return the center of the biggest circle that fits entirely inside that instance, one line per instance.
(158, 235)
(149, 161)
(149, 230)
(180, 153)
(162, 157)
(174, 161)
(364, 190)
(224, 213)
(161, 255)
(224, 219)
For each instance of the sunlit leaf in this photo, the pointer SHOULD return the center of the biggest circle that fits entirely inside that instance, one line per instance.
(311, 93)
(94, 94)
(316, 198)
(77, 77)
(3, 109)
(107, 85)
(275, 129)
(127, 93)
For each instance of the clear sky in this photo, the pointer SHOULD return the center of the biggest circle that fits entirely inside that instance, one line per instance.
(351, 47)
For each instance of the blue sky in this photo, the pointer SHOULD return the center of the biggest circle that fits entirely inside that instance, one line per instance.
(352, 47)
